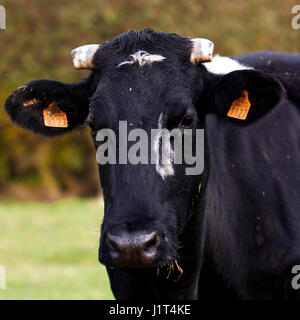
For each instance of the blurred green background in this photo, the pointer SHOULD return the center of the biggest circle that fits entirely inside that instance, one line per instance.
(44, 245)
(50, 250)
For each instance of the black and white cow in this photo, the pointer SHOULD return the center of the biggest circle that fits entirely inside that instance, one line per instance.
(233, 230)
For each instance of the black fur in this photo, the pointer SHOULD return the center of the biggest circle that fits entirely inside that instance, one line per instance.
(234, 229)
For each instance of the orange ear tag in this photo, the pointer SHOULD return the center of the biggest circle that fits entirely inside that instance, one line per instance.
(240, 107)
(54, 116)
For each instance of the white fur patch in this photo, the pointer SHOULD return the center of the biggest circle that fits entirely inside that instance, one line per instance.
(142, 58)
(163, 169)
(224, 65)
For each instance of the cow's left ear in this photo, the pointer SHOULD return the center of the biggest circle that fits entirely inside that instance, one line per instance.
(244, 95)
(49, 107)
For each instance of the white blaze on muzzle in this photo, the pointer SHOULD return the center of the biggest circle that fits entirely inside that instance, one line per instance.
(83, 56)
(202, 50)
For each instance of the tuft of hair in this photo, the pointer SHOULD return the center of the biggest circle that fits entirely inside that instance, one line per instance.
(143, 58)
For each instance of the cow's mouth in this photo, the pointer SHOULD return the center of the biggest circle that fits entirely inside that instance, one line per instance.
(166, 270)
(170, 270)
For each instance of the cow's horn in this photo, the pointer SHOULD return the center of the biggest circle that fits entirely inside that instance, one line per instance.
(202, 50)
(83, 56)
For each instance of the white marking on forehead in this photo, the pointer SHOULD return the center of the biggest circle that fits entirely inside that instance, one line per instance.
(142, 58)
(163, 169)
(224, 65)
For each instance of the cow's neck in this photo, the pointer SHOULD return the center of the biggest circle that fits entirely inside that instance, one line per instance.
(250, 201)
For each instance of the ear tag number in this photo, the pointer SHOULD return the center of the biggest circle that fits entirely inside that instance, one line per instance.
(54, 116)
(240, 107)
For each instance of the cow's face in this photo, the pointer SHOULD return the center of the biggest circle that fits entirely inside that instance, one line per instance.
(146, 204)
(146, 80)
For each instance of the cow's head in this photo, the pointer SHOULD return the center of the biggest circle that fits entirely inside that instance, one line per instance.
(152, 80)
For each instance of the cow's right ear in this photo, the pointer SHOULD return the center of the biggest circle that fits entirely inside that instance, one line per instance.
(49, 107)
(243, 96)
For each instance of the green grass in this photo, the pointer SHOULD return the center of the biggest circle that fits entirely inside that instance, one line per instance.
(50, 250)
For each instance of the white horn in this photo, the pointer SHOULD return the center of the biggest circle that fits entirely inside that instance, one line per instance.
(83, 56)
(202, 50)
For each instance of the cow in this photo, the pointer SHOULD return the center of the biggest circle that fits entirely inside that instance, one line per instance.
(229, 232)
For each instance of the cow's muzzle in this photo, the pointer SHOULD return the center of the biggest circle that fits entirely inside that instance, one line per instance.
(133, 249)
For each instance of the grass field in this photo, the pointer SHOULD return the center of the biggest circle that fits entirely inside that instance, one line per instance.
(49, 250)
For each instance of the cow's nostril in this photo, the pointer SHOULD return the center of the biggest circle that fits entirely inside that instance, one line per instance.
(137, 249)
(113, 245)
(152, 242)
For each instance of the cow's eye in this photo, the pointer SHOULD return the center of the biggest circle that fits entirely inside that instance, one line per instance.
(187, 123)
